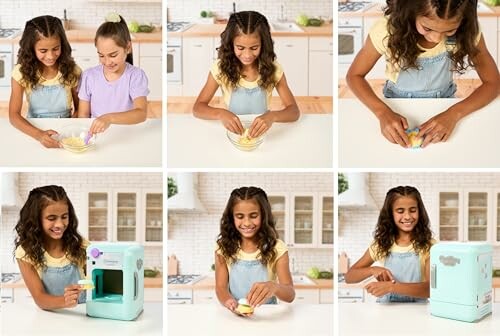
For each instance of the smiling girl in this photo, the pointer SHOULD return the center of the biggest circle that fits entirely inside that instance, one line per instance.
(47, 74)
(49, 250)
(424, 43)
(247, 72)
(249, 257)
(114, 92)
(402, 243)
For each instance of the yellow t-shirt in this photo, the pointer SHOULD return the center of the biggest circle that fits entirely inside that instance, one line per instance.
(379, 38)
(280, 249)
(51, 261)
(423, 256)
(227, 89)
(18, 77)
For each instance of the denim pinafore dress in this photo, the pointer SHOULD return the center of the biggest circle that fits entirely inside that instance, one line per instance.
(405, 267)
(49, 101)
(248, 100)
(243, 274)
(432, 79)
(55, 279)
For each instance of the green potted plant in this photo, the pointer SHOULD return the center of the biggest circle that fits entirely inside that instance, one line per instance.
(343, 183)
(172, 187)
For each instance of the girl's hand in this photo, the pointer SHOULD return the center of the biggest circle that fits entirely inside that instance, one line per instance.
(439, 127)
(380, 288)
(260, 125)
(47, 140)
(71, 294)
(382, 273)
(231, 304)
(100, 124)
(393, 126)
(260, 293)
(231, 122)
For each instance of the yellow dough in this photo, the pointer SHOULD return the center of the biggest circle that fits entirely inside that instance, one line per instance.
(244, 309)
(246, 140)
(415, 141)
(73, 141)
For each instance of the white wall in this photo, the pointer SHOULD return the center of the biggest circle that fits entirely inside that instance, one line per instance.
(74, 184)
(187, 10)
(356, 226)
(191, 237)
(82, 13)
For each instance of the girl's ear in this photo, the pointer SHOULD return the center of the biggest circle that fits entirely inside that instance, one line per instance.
(129, 48)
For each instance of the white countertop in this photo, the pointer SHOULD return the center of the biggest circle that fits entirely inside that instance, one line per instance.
(473, 144)
(28, 319)
(281, 319)
(119, 146)
(197, 143)
(408, 319)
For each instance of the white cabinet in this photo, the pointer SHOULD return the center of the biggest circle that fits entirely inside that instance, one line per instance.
(351, 295)
(22, 295)
(292, 54)
(153, 294)
(326, 295)
(307, 296)
(496, 219)
(197, 58)
(465, 215)
(124, 215)
(150, 62)
(204, 296)
(85, 55)
(497, 294)
(320, 66)
(378, 70)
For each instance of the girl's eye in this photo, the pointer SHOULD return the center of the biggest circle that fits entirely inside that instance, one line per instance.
(427, 29)
(254, 48)
(254, 215)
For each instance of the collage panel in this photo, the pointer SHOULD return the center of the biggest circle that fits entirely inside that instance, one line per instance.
(80, 84)
(421, 91)
(250, 84)
(250, 253)
(419, 251)
(81, 253)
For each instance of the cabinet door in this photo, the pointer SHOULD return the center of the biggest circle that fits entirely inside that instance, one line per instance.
(497, 295)
(326, 295)
(302, 221)
(378, 70)
(150, 62)
(85, 55)
(320, 66)
(325, 227)
(153, 217)
(308, 296)
(496, 222)
(292, 54)
(126, 216)
(197, 58)
(204, 296)
(99, 216)
(153, 294)
(280, 209)
(450, 216)
(476, 218)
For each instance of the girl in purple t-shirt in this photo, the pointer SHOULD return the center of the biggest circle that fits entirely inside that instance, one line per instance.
(115, 91)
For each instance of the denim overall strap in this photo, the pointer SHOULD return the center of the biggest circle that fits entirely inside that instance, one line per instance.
(405, 267)
(54, 280)
(432, 79)
(49, 102)
(242, 276)
(248, 101)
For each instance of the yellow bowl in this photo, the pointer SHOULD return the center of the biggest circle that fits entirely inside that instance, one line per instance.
(243, 142)
(72, 138)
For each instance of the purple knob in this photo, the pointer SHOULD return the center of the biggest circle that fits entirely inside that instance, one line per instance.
(95, 252)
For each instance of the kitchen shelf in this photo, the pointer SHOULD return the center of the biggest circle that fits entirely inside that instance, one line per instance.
(303, 229)
(98, 226)
(448, 208)
(133, 227)
(98, 208)
(154, 208)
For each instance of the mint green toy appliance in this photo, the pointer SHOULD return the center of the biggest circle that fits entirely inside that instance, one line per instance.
(117, 272)
(461, 281)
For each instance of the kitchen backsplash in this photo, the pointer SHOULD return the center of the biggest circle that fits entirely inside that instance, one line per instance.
(356, 226)
(191, 237)
(74, 184)
(81, 13)
(183, 10)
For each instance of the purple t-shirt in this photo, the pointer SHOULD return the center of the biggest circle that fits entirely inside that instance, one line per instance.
(117, 96)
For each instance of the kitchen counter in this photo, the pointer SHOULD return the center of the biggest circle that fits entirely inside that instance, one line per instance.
(148, 283)
(119, 146)
(408, 319)
(281, 319)
(214, 30)
(28, 319)
(306, 143)
(362, 284)
(473, 143)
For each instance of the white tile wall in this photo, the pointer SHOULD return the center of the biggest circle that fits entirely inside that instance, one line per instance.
(356, 226)
(73, 183)
(191, 237)
(186, 10)
(82, 13)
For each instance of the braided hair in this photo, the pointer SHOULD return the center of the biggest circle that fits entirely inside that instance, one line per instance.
(245, 23)
(229, 238)
(34, 30)
(403, 37)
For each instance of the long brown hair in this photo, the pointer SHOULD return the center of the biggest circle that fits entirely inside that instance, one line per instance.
(229, 238)
(30, 232)
(119, 33)
(247, 22)
(403, 35)
(44, 26)
(386, 231)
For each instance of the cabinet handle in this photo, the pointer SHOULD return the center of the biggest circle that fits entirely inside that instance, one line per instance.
(171, 51)
(197, 45)
(300, 297)
(289, 45)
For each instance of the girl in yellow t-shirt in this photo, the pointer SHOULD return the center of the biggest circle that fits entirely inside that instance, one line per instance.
(249, 257)
(401, 244)
(49, 250)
